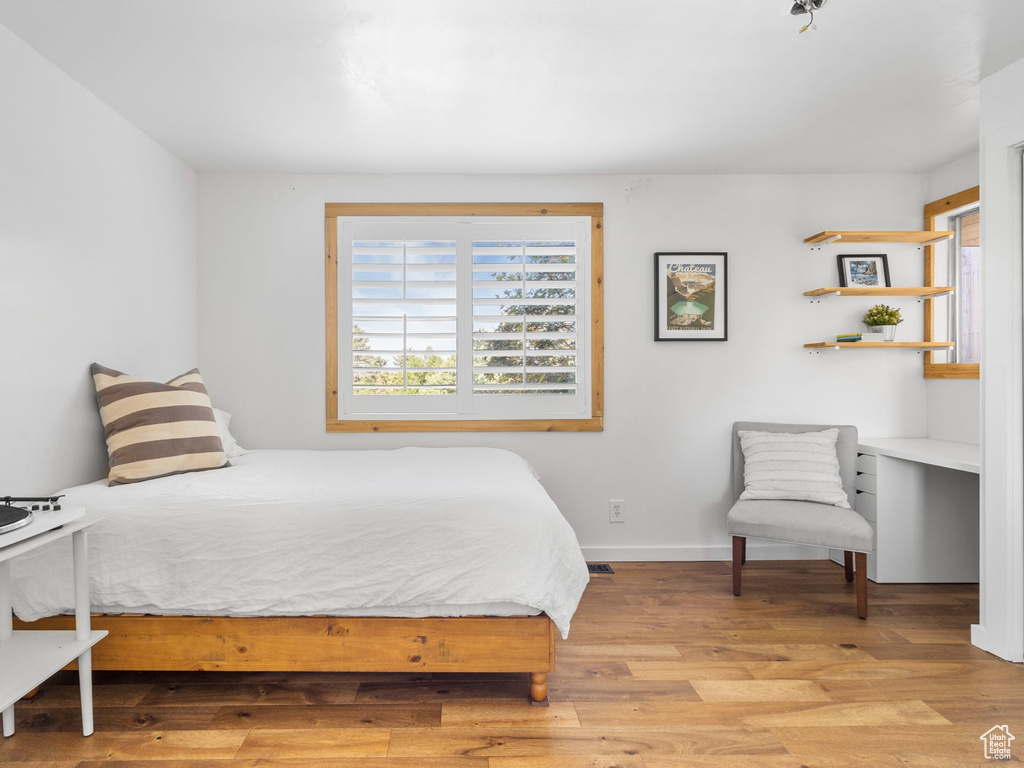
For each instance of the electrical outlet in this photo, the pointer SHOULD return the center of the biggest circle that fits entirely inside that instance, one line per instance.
(616, 511)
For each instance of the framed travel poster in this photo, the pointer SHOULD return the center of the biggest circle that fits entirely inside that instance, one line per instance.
(690, 296)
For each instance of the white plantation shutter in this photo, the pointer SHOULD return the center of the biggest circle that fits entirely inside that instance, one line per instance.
(526, 324)
(464, 319)
(401, 343)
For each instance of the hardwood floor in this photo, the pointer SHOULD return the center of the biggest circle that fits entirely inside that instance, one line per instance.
(664, 668)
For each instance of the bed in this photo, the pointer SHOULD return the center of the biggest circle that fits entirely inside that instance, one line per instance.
(416, 559)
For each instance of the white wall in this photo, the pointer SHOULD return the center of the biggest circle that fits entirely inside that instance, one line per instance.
(954, 405)
(954, 410)
(97, 263)
(669, 406)
(954, 177)
(1001, 626)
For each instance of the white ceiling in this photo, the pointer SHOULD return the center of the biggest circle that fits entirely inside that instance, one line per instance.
(536, 86)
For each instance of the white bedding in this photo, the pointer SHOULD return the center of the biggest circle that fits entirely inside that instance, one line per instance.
(409, 532)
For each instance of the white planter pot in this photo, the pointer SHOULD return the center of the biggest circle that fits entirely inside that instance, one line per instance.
(888, 332)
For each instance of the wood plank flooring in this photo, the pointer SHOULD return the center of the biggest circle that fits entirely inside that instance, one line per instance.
(664, 668)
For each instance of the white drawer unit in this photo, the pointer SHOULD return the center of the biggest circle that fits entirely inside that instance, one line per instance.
(866, 463)
(867, 504)
(922, 498)
(867, 483)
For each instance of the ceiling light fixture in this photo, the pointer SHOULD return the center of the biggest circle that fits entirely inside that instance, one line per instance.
(806, 6)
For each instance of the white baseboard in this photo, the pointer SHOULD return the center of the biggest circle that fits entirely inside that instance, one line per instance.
(978, 638)
(756, 550)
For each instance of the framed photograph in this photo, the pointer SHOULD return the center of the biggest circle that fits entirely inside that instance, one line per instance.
(868, 271)
(690, 294)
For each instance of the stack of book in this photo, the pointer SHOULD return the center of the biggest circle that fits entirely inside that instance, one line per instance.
(848, 337)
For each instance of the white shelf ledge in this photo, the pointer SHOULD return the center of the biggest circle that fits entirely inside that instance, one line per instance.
(30, 657)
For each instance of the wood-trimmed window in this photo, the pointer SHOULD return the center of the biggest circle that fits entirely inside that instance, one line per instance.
(936, 214)
(445, 317)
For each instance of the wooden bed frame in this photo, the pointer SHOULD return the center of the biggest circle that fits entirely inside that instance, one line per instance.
(323, 644)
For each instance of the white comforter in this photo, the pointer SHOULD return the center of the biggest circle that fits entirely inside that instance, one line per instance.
(290, 533)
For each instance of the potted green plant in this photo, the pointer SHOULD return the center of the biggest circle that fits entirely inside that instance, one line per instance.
(885, 318)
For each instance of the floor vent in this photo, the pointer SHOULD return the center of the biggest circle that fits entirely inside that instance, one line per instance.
(599, 568)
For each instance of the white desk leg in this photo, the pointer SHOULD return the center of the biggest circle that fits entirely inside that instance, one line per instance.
(85, 684)
(6, 630)
(83, 627)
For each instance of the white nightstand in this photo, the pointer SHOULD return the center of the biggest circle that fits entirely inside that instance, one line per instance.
(28, 657)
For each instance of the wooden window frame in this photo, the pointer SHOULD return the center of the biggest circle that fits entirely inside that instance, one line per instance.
(595, 423)
(932, 211)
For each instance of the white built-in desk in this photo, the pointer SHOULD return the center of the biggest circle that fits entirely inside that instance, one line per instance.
(938, 453)
(921, 496)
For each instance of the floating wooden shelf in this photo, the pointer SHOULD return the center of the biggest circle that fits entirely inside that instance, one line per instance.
(920, 238)
(920, 291)
(879, 344)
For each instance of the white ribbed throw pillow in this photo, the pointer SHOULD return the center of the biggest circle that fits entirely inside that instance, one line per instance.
(799, 466)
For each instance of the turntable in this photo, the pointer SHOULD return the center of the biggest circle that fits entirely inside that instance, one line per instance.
(17, 511)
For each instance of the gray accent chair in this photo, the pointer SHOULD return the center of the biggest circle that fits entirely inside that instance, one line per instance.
(803, 522)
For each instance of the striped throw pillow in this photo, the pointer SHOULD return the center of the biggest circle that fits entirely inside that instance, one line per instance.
(801, 466)
(154, 430)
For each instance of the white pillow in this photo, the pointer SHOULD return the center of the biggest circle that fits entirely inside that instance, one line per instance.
(231, 447)
(800, 466)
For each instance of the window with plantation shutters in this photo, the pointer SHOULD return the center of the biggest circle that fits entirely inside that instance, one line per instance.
(465, 322)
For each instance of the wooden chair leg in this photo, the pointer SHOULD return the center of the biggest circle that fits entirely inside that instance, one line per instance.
(743, 550)
(862, 584)
(848, 562)
(739, 544)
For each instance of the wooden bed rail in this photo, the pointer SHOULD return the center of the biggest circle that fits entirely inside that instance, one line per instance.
(323, 644)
